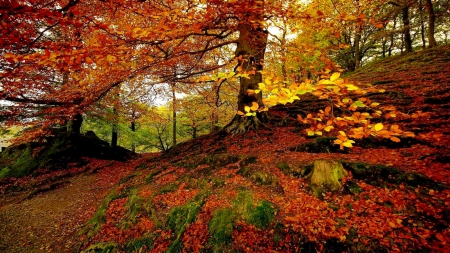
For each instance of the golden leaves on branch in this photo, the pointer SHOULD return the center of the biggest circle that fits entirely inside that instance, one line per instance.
(357, 111)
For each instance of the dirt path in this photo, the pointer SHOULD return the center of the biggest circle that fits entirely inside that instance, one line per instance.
(49, 222)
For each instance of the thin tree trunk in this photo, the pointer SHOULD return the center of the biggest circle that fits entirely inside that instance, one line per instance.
(115, 135)
(422, 25)
(406, 29)
(174, 116)
(133, 129)
(194, 132)
(213, 119)
(392, 37)
(357, 55)
(431, 24)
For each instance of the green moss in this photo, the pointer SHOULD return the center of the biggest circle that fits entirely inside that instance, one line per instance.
(102, 247)
(24, 159)
(284, 167)
(219, 160)
(262, 215)
(334, 207)
(377, 175)
(262, 178)
(316, 191)
(259, 177)
(93, 225)
(138, 244)
(133, 207)
(307, 169)
(387, 176)
(180, 217)
(4, 172)
(150, 176)
(353, 187)
(126, 178)
(245, 161)
(242, 203)
(169, 188)
(20, 162)
(221, 229)
(221, 225)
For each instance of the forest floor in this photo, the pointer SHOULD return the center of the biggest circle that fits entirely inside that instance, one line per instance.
(48, 218)
(248, 193)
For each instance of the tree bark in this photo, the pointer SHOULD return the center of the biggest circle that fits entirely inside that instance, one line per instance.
(406, 29)
(194, 132)
(422, 25)
(392, 37)
(133, 129)
(431, 24)
(75, 124)
(327, 173)
(174, 116)
(114, 135)
(357, 55)
(250, 50)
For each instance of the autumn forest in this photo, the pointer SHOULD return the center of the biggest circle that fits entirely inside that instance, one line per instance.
(224, 126)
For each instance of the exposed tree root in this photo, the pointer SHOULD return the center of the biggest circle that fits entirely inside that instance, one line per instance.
(245, 124)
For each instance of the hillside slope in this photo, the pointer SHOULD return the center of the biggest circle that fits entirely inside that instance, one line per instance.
(249, 193)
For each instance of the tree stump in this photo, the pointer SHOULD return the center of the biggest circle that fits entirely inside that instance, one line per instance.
(327, 173)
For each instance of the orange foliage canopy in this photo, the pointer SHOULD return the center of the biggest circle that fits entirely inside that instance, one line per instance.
(58, 58)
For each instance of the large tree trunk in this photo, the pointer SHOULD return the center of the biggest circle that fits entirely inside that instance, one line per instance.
(75, 124)
(250, 53)
(431, 24)
(327, 173)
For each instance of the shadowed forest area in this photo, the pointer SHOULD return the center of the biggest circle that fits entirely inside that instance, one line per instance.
(224, 126)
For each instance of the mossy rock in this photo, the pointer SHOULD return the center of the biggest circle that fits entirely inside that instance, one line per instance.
(352, 187)
(381, 175)
(219, 160)
(415, 179)
(213, 160)
(56, 153)
(377, 175)
(259, 177)
(24, 159)
(248, 160)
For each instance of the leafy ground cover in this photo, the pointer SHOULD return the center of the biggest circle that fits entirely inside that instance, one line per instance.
(249, 192)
